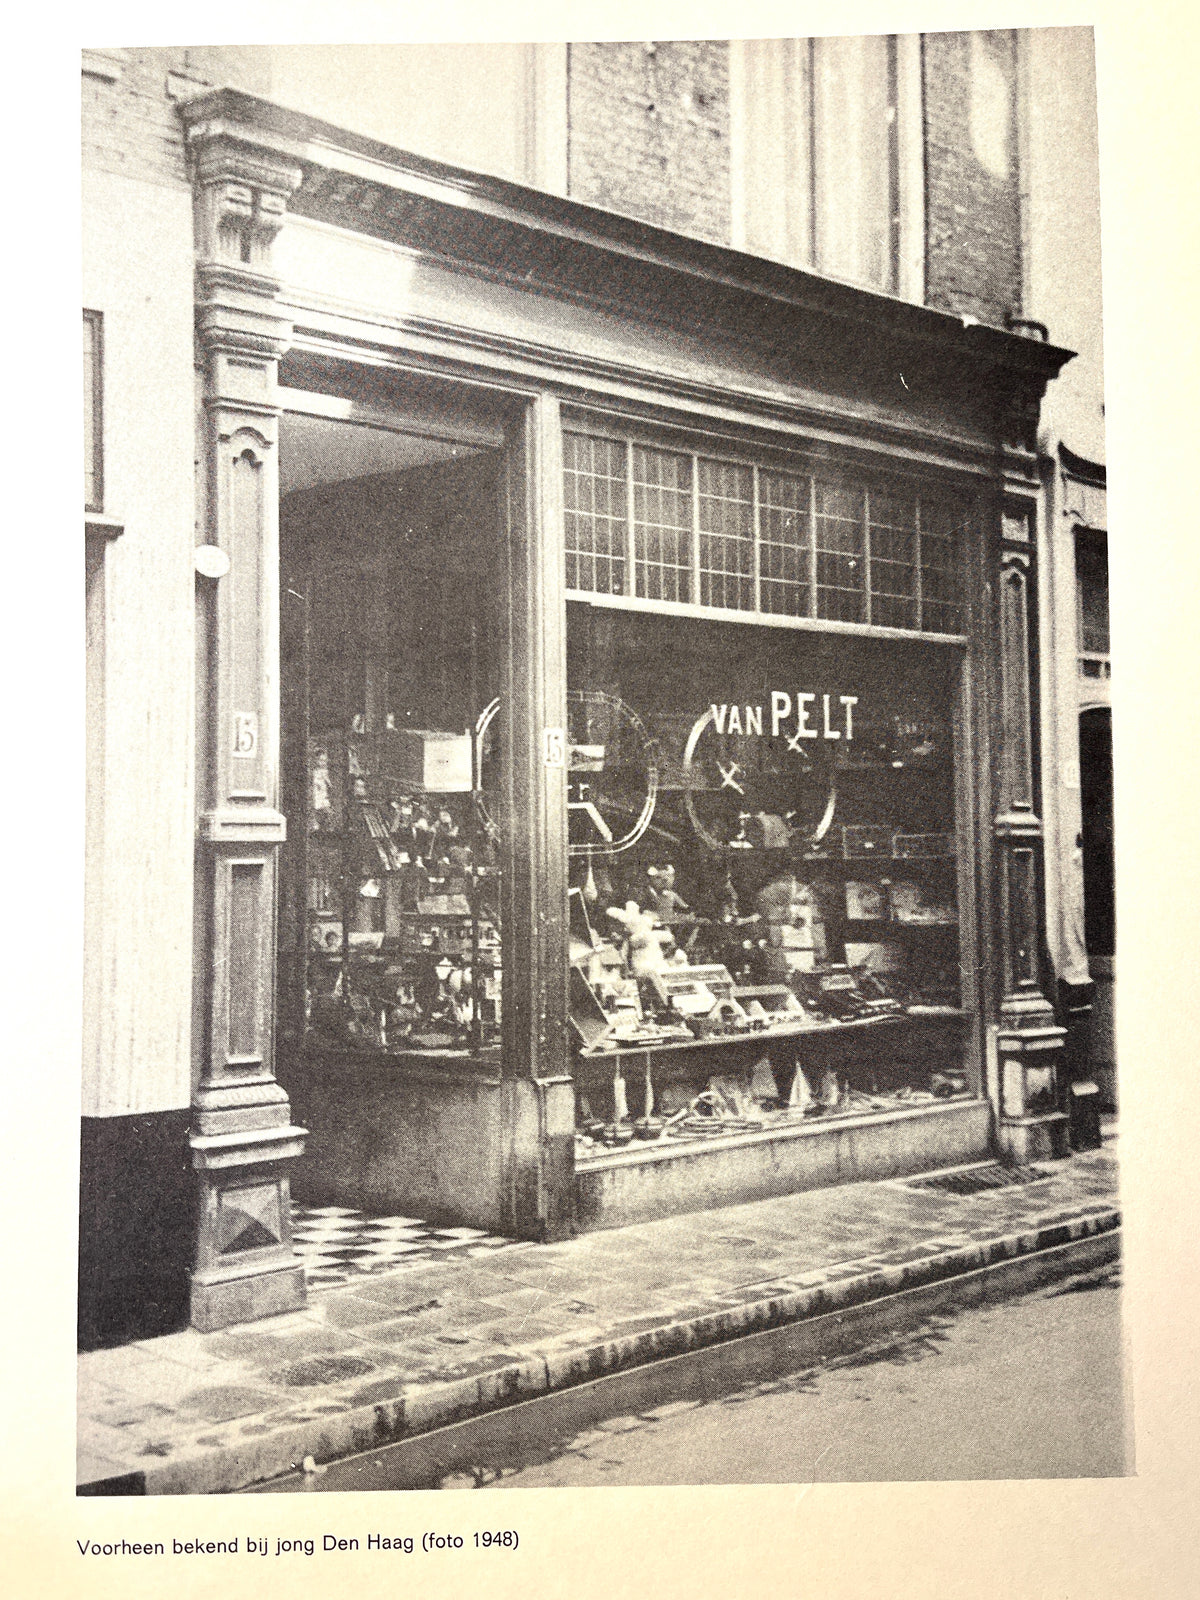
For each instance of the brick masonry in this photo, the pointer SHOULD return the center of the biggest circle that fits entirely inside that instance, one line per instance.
(649, 132)
(129, 96)
(973, 219)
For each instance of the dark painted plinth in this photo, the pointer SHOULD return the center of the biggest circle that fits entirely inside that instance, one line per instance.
(137, 1227)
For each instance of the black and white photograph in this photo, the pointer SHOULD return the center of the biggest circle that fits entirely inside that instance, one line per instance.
(599, 915)
(584, 940)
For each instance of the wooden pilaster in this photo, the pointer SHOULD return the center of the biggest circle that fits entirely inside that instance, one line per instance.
(1029, 1041)
(540, 1114)
(242, 1136)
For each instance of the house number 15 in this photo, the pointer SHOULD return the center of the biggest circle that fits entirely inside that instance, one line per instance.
(245, 733)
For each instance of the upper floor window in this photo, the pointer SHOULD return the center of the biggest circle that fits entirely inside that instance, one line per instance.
(1091, 595)
(93, 413)
(828, 164)
(657, 524)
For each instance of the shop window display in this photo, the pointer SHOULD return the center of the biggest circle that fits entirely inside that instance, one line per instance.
(764, 874)
(390, 915)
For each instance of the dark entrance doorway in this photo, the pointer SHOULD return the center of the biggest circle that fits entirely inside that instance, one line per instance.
(1099, 887)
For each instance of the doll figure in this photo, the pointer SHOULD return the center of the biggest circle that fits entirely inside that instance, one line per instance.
(667, 904)
(646, 942)
(447, 830)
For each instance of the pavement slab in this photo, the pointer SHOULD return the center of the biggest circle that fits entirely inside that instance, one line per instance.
(412, 1348)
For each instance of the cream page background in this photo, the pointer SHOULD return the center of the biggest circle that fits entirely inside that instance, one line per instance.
(1107, 1540)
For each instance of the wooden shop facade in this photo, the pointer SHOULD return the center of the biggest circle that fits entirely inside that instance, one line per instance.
(616, 780)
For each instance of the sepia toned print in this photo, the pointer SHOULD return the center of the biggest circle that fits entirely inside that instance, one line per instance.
(612, 664)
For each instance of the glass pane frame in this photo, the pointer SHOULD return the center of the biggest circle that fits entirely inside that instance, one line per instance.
(726, 534)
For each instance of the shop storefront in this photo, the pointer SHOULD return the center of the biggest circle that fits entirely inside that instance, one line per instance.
(616, 660)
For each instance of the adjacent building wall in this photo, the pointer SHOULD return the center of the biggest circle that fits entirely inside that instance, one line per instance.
(649, 132)
(973, 214)
(136, 1187)
(138, 273)
(1063, 287)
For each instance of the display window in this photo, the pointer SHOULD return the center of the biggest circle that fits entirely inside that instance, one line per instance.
(765, 839)
(390, 914)
(765, 833)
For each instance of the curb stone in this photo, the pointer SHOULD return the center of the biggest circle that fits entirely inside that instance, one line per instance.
(410, 1410)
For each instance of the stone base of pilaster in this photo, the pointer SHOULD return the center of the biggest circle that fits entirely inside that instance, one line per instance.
(219, 1301)
(539, 1126)
(246, 1267)
(1026, 1139)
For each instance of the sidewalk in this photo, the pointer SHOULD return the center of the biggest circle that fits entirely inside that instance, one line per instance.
(412, 1348)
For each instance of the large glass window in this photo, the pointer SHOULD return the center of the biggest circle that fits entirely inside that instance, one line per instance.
(390, 905)
(764, 879)
(828, 156)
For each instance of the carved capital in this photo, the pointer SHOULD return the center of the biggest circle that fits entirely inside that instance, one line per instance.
(1020, 407)
(242, 194)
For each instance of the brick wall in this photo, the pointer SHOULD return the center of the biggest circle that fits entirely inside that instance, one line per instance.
(129, 121)
(649, 132)
(972, 219)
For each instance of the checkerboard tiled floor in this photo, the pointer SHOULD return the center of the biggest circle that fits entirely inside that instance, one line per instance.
(339, 1245)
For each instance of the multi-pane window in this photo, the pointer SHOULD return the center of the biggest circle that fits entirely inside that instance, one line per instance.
(893, 540)
(784, 545)
(662, 523)
(93, 427)
(725, 499)
(841, 567)
(828, 158)
(597, 513)
(666, 525)
(941, 600)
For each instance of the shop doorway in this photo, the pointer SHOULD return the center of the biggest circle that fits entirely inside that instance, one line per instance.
(389, 967)
(1096, 779)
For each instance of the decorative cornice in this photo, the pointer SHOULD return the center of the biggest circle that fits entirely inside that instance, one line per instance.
(229, 328)
(1014, 556)
(1018, 825)
(560, 246)
(222, 279)
(251, 825)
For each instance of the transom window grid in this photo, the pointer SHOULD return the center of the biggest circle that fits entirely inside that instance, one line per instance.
(662, 520)
(659, 524)
(597, 512)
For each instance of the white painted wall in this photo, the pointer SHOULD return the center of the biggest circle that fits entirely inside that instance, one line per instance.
(1062, 198)
(498, 107)
(137, 255)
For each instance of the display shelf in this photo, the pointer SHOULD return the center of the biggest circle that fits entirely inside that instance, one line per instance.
(759, 1036)
(868, 864)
